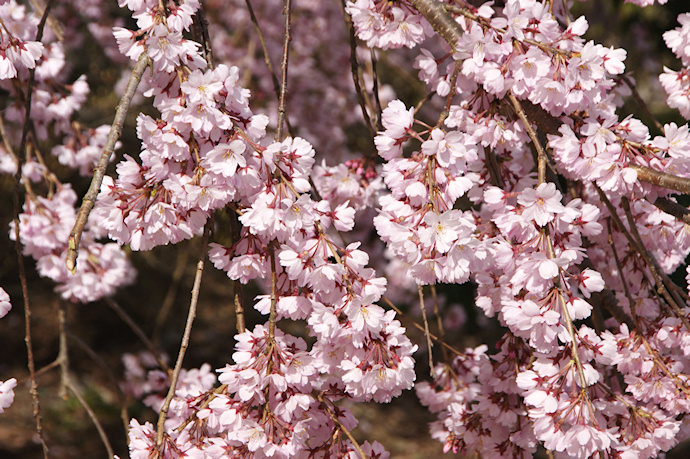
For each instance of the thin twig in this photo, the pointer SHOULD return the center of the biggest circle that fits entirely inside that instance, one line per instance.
(341, 427)
(640, 101)
(418, 106)
(239, 309)
(6, 142)
(139, 332)
(284, 71)
(439, 323)
(63, 354)
(211, 396)
(236, 231)
(42, 370)
(274, 297)
(169, 300)
(619, 266)
(267, 58)
(420, 293)
(658, 274)
(356, 71)
(99, 171)
(419, 327)
(453, 81)
(541, 168)
(94, 419)
(185, 338)
(66, 382)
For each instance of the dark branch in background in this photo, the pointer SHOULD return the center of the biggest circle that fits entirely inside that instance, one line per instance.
(200, 32)
(375, 91)
(99, 171)
(636, 95)
(66, 382)
(122, 398)
(264, 49)
(354, 68)
(181, 264)
(21, 156)
(52, 22)
(636, 243)
(673, 208)
(444, 24)
(140, 334)
(662, 281)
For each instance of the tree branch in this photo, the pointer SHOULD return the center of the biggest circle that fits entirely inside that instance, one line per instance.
(99, 171)
(185, 338)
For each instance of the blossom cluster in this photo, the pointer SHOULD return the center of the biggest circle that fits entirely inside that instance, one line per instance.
(386, 25)
(44, 227)
(270, 404)
(45, 221)
(532, 250)
(18, 48)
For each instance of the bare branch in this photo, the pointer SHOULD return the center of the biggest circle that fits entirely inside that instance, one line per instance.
(267, 58)
(99, 171)
(420, 293)
(185, 338)
(284, 71)
(139, 332)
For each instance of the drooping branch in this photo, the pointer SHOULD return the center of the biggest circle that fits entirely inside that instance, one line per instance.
(287, 11)
(191, 315)
(99, 171)
(21, 157)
